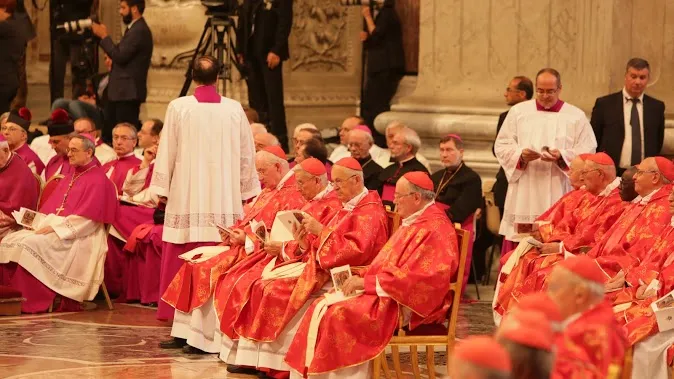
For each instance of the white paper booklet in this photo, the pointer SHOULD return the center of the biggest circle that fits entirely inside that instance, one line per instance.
(28, 218)
(284, 223)
(204, 253)
(663, 308)
(260, 230)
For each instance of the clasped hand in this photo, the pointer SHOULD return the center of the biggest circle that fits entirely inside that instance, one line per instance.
(353, 284)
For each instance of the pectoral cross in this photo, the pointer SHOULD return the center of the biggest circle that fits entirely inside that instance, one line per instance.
(59, 209)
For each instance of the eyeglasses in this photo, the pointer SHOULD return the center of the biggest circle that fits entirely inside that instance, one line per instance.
(585, 172)
(540, 91)
(641, 172)
(69, 150)
(339, 182)
(123, 138)
(399, 195)
(9, 129)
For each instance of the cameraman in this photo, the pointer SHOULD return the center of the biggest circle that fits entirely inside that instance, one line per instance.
(383, 42)
(70, 47)
(127, 87)
(262, 44)
(12, 47)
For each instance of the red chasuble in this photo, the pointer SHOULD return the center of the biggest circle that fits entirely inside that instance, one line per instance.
(116, 170)
(232, 289)
(352, 237)
(633, 235)
(194, 283)
(566, 205)
(414, 269)
(589, 345)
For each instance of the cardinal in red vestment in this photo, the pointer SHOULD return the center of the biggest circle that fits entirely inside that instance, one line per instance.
(411, 274)
(191, 290)
(591, 341)
(480, 357)
(18, 187)
(352, 236)
(529, 339)
(626, 243)
(599, 176)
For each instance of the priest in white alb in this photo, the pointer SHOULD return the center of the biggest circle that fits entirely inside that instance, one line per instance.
(63, 253)
(535, 146)
(205, 168)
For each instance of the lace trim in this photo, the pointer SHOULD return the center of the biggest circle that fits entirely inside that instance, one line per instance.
(186, 221)
(514, 219)
(71, 228)
(159, 179)
(44, 263)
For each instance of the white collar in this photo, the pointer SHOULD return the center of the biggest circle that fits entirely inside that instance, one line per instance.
(647, 199)
(671, 222)
(409, 220)
(127, 155)
(323, 193)
(351, 204)
(132, 22)
(285, 178)
(406, 160)
(610, 187)
(627, 96)
(569, 320)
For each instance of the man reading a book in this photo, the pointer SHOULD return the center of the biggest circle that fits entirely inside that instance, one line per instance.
(352, 237)
(18, 187)
(410, 274)
(191, 290)
(63, 253)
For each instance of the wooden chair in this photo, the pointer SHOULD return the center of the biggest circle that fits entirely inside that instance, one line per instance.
(493, 221)
(394, 222)
(48, 188)
(428, 341)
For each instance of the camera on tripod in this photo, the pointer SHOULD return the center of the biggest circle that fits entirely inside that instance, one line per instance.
(221, 6)
(371, 3)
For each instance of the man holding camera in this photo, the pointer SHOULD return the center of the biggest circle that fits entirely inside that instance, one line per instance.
(262, 44)
(127, 87)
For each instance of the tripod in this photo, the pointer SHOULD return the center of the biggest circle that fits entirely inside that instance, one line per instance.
(216, 39)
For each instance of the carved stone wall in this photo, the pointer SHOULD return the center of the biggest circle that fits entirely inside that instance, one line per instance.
(469, 51)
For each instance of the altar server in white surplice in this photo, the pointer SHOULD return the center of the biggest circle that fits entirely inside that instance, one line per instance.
(205, 167)
(535, 146)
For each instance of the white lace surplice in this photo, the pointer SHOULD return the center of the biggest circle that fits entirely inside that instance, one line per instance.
(205, 165)
(533, 190)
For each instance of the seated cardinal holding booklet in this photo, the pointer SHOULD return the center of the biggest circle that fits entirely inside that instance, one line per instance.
(63, 250)
(190, 292)
(18, 187)
(263, 315)
(411, 274)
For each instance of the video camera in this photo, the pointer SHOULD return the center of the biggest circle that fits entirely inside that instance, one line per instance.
(228, 7)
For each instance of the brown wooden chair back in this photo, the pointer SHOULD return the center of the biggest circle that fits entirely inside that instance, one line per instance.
(394, 222)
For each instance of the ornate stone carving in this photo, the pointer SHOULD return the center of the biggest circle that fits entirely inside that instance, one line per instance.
(318, 42)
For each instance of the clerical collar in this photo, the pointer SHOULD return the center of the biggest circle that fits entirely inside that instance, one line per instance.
(636, 200)
(627, 97)
(323, 193)
(569, 320)
(207, 94)
(364, 161)
(406, 160)
(610, 187)
(285, 178)
(351, 204)
(99, 142)
(126, 156)
(409, 220)
(555, 108)
(85, 167)
(647, 199)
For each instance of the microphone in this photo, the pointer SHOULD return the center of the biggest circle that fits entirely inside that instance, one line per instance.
(76, 26)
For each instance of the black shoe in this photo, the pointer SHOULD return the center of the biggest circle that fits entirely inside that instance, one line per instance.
(187, 349)
(173, 343)
(234, 369)
(151, 305)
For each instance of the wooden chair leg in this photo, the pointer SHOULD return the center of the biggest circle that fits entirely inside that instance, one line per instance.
(51, 307)
(107, 296)
(430, 361)
(376, 367)
(477, 288)
(415, 361)
(384, 365)
(395, 354)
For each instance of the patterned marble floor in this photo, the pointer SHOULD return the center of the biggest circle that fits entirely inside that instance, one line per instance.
(123, 344)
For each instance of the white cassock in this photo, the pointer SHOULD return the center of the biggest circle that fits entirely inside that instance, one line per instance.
(533, 190)
(69, 261)
(104, 152)
(205, 165)
(40, 145)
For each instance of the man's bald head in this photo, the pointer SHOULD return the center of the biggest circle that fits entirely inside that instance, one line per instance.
(205, 70)
(597, 176)
(648, 177)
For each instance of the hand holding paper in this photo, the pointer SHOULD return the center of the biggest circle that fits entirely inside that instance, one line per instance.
(238, 237)
(353, 284)
(312, 225)
(273, 248)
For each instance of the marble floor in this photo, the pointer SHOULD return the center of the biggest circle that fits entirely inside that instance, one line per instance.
(123, 344)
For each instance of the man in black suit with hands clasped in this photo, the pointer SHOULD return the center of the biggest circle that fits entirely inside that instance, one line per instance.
(131, 57)
(629, 125)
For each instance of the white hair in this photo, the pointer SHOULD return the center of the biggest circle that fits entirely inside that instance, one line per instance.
(4, 117)
(395, 124)
(412, 139)
(4, 144)
(272, 159)
(608, 170)
(323, 177)
(366, 134)
(299, 127)
(269, 139)
(133, 129)
(258, 128)
(351, 172)
(427, 195)
(597, 290)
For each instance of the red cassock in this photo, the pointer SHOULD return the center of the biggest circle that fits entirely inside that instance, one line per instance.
(566, 205)
(414, 268)
(194, 283)
(352, 237)
(233, 288)
(582, 227)
(589, 345)
(634, 234)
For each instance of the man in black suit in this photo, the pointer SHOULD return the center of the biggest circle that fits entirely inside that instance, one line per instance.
(127, 87)
(519, 89)
(12, 47)
(383, 42)
(262, 43)
(630, 126)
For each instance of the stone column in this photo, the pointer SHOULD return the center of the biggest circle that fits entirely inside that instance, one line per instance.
(469, 51)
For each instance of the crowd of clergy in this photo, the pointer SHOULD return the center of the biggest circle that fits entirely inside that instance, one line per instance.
(587, 229)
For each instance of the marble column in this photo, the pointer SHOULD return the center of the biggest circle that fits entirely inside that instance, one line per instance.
(469, 51)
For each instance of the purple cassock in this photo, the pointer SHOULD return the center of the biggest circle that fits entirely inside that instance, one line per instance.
(120, 167)
(30, 157)
(58, 164)
(18, 186)
(92, 196)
